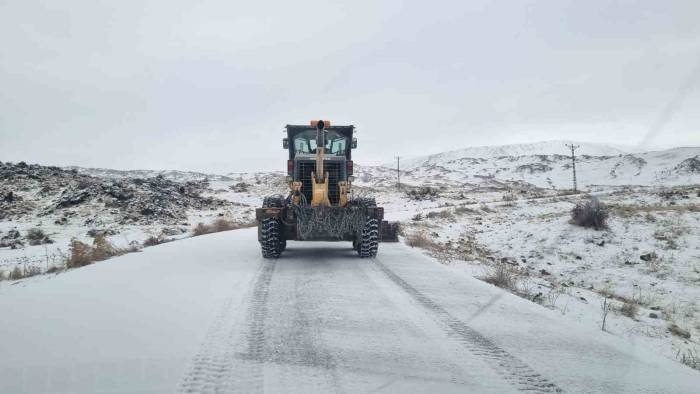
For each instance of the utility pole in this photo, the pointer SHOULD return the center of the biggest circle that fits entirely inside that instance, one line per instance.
(398, 173)
(573, 161)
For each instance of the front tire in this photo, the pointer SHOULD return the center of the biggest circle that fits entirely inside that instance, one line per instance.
(270, 242)
(369, 243)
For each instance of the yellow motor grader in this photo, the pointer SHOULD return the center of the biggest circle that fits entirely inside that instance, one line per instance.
(320, 205)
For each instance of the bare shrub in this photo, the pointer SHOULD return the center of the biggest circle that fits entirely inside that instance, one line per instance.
(590, 213)
(445, 214)
(11, 240)
(102, 249)
(240, 187)
(31, 270)
(417, 217)
(200, 229)
(219, 225)
(36, 236)
(630, 309)
(503, 276)
(566, 192)
(152, 241)
(691, 359)
(80, 254)
(423, 193)
(92, 233)
(509, 196)
(155, 240)
(53, 269)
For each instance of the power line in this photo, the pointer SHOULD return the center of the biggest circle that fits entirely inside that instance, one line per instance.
(573, 161)
(398, 172)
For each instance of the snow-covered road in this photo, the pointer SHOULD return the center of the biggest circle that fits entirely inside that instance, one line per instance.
(208, 314)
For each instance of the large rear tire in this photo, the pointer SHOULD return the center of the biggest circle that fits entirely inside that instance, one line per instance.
(369, 243)
(270, 242)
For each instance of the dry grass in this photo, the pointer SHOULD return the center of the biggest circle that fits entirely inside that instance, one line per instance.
(486, 208)
(445, 214)
(218, 226)
(463, 210)
(53, 269)
(679, 332)
(503, 276)
(423, 193)
(16, 273)
(20, 272)
(670, 232)
(691, 359)
(82, 254)
(421, 240)
(154, 240)
(629, 211)
(630, 309)
(509, 196)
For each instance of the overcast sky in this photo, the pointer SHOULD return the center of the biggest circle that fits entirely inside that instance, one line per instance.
(209, 85)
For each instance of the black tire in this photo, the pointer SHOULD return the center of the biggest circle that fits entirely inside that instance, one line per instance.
(369, 243)
(270, 242)
(364, 202)
(274, 201)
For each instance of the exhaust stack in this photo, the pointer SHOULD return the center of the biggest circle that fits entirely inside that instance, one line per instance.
(319, 179)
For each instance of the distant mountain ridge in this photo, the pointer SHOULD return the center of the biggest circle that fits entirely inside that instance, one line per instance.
(557, 147)
(545, 164)
(596, 165)
(173, 175)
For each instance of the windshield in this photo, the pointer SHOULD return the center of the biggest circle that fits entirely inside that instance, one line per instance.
(305, 142)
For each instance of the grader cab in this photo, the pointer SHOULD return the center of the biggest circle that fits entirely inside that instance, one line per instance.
(320, 205)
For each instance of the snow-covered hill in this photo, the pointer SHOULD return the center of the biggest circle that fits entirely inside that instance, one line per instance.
(514, 150)
(172, 175)
(596, 165)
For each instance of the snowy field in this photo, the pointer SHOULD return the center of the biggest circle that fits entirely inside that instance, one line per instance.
(208, 314)
(488, 211)
(646, 263)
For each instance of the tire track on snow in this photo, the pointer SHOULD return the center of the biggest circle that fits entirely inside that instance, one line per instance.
(219, 365)
(505, 364)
